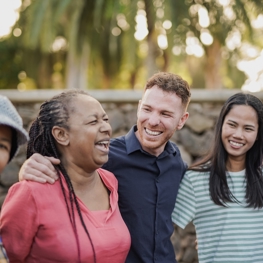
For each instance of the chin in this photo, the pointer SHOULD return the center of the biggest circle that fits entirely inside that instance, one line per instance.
(151, 144)
(103, 161)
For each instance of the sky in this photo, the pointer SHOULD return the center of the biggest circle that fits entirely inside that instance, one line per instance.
(8, 15)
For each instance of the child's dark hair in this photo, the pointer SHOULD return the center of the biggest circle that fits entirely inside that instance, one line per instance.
(215, 161)
(56, 112)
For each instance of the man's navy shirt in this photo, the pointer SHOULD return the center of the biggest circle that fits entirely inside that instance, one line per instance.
(148, 186)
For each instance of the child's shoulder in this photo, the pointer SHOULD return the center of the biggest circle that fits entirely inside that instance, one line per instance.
(195, 173)
(197, 176)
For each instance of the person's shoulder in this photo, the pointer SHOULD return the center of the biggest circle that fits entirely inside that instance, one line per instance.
(178, 154)
(117, 146)
(104, 172)
(107, 176)
(117, 140)
(26, 190)
(174, 144)
(176, 148)
(33, 187)
(195, 175)
(191, 173)
(26, 184)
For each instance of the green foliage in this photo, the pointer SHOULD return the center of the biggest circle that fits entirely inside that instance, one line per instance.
(10, 64)
(119, 60)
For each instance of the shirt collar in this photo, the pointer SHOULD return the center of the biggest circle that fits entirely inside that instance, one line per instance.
(133, 144)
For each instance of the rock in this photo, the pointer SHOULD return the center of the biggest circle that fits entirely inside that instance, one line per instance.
(185, 155)
(130, 119)
(175, 239)
(10, 174)
(190, 229)
(190, 255)
(188, 241)
(2, 199)
(116, 119)
(196, 145)
(198, 123)
(28, 112)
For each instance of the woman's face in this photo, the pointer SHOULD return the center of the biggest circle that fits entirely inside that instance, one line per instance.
(5, 145)
(89, 133)
(239, 131)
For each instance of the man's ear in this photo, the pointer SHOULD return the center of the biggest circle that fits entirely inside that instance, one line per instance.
(61, 135)
(182, 121)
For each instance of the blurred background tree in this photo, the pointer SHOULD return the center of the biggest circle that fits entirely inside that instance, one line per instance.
(107, 44)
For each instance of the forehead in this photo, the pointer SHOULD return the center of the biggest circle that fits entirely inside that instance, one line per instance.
(5, 133)
(85, 105)
(242, 113)
(158, 98)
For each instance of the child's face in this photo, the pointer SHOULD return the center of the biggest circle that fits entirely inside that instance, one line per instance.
(5, 145)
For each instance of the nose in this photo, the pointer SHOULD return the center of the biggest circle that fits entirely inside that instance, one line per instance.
(154, 119)
(106, 128)
(238, 133)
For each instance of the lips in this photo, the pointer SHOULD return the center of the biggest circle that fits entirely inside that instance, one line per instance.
(152, 133)
(103, 145)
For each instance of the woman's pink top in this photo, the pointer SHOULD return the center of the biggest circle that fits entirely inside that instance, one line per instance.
(35, 226)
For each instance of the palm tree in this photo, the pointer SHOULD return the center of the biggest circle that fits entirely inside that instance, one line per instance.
(219, 22)
(87, 26)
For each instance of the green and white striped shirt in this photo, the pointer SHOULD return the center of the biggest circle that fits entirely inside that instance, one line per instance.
(231, 234)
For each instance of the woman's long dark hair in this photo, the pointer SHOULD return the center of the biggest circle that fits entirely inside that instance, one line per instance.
(215, 161)
(55, 112)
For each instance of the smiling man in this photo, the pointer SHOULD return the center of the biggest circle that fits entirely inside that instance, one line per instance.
(148, 167)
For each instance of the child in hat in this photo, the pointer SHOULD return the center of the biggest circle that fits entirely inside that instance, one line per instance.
(12, 135)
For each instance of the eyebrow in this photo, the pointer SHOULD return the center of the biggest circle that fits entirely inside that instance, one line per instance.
(96, 115)
(148, 106)
(5, 139)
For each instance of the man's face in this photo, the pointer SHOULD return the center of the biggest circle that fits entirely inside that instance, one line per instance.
(159, 114)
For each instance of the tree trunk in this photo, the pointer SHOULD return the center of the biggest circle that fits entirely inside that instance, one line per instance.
(77, 69)
(166, 61)
(44, 72)
(77, 60)
(213, 79)
(151, 39)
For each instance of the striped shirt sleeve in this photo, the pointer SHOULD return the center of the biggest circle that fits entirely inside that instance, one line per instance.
(185, 207)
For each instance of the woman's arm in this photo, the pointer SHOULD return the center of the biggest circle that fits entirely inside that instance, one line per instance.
(19, 222)
(185, 206)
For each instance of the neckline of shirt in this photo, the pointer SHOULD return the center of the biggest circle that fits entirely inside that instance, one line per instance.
(242, 172)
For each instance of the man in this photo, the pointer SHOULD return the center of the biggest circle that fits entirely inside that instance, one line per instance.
(147, 165)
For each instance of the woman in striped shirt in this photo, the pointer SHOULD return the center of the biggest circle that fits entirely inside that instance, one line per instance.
(223, 193)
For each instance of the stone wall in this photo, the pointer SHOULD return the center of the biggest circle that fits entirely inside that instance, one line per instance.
(193, 140)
